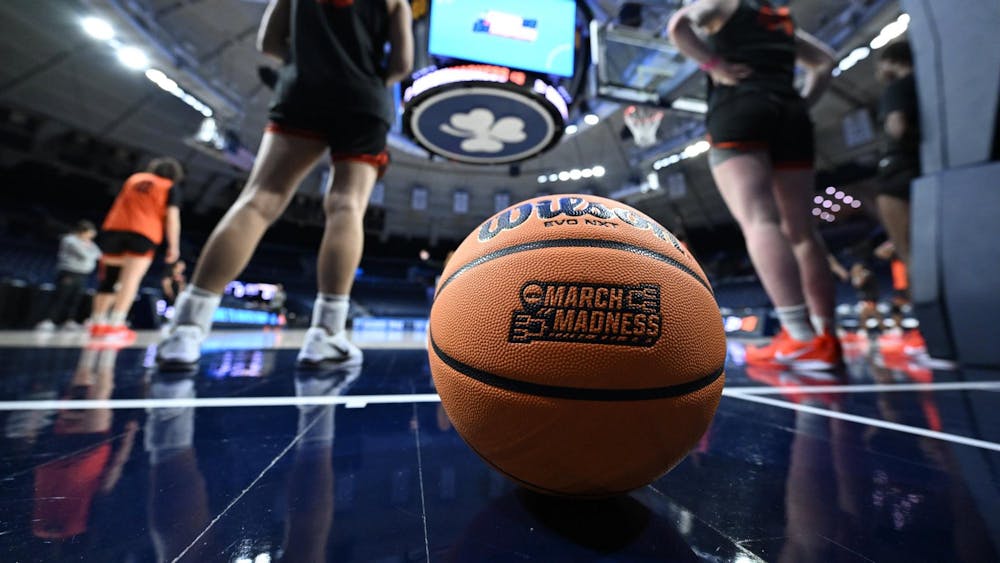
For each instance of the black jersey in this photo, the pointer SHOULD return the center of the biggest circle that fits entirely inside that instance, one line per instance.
(901, 95)
(337, 58)
(763, 38)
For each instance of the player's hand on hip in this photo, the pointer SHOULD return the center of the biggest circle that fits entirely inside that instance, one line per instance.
(730, 74)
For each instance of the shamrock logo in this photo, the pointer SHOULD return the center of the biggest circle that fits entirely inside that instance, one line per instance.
(483, 132)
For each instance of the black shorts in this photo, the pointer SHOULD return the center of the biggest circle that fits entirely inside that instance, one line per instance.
(352, 136)
(756, 120)
(895, 174)
(120, 243)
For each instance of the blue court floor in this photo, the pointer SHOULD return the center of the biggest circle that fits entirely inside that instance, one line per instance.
(104, 459)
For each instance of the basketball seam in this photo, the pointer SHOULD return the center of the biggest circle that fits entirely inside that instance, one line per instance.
(577, 243)
(575, 393)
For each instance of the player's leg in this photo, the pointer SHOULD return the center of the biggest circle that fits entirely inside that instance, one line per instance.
(357, 146)
(895, 214)
(107, 281)
(744, 180)
(793, 189)
(282, 162)
(339, 256)
(133, 268)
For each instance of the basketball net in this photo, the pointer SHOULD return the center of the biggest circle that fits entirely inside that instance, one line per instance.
(643, 122)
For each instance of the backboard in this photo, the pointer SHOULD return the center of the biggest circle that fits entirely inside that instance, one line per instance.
(634, 65)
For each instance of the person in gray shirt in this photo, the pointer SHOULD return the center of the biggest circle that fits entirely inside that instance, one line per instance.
(78, 257)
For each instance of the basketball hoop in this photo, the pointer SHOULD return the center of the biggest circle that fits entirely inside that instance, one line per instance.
(643, 122)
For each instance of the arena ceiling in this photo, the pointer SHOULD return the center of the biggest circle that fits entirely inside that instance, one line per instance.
(51, 67)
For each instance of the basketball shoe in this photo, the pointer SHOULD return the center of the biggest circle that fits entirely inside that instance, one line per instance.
(320, 349)
(913, 343)
(98, 330)
(822, 352)
(181, 348)
(119, 333)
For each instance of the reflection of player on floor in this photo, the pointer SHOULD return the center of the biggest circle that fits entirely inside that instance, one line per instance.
(762, 159)
(331, 95)
(147, 205)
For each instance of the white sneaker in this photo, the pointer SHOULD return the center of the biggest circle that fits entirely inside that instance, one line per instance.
(322, 350)
(71, 326)
(46, 325)
(181, 348)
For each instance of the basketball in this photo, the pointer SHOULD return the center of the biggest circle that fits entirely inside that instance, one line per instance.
(577, 347)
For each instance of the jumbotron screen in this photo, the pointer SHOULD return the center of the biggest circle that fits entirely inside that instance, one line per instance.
(532, 35)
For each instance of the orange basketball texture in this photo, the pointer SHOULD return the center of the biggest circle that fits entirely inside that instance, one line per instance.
(576, 347)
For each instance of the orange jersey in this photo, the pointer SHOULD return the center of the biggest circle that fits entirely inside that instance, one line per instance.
(141, 206)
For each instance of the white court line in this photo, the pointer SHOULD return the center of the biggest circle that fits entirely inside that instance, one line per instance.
(866, 388)
(360, 401)
(953, 438)
(350, 401)
(243, 493)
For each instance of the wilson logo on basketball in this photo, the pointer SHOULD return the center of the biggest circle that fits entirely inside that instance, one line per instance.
(627, 315)
(573, 210)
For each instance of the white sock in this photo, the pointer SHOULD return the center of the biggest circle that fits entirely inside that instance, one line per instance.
(330, 312)
(116, 319)
(795, 320)
(195, 306)
(822, 325)
(98, 319)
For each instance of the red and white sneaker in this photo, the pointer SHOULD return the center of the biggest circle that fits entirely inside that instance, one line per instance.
(764, 355)
(99, 330)
(119, 333)
(822, 352)
(913, 343)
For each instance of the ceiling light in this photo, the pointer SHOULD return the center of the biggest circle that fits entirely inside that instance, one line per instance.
(598, 171)
(835, 208)
(591, 119)
(543, 179)
(553, 177)
(831, 190)
(570, 129)
(156, 76)
(575, 174)
(848, 199)
(587, 173)
(564, 175)
(839, 195)
(97, 28)
(133, 57)
(818, 199)
(827, 203)
(856, 204)
(816, 211)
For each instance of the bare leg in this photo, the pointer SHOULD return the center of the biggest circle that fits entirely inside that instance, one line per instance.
(133, 268)
(895, 213)
(282, 162)
(104, 301)
(745, 184)
(793, 193)
(343, 238)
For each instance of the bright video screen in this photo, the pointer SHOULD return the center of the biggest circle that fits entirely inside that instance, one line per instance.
(532, 35)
